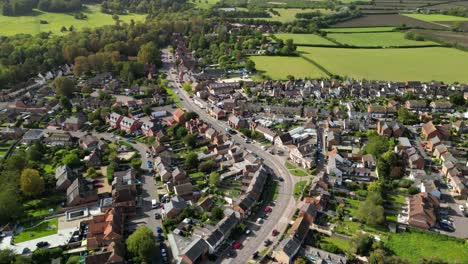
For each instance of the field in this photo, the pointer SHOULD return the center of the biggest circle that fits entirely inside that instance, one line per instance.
(280, 67)
(359, 29)
(383, 39)
(436, 17)
(205, 4)
(305, 39)
(289, 14)
(30, 24)
(425, 64)
(416, 245)
(445, 36)
(387, 20)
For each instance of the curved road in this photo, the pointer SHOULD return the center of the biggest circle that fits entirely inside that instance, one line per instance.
(285, 203)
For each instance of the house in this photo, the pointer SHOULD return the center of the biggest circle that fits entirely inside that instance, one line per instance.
(429, 131)
(378, 111)
(80, 192)
(416, 105)
(89, 142)
(283, 140)
(114, 120)
(172, 208)
(299, 229)
(178, 115)
(315, 255)
(416, 161)
(194, 252)
(441, 107)
(104, 229)
(418, 176)
(149, 128)
(74, 123)
(269, 134)
(423, 210)
(64, 177)
(93, 159)
(390, 128)
(184, 190)
(11, 132)
(129, 125)
(59, 139)
(244, 205)
(309, 212)
(287, 250)
(304, 155)
(157, 147)
(430, 187)
(460, 127)
(332, 139)
(222, 88)
(114, 253)
(432, 143)
(217, 113)
(33, 135)
(237, 122)
(440, 150)
(223, 230)
(368, 161)
(124, 198)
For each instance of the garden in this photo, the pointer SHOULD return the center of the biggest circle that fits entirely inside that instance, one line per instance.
(42, 229)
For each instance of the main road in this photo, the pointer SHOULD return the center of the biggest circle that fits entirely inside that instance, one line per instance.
(285, 203)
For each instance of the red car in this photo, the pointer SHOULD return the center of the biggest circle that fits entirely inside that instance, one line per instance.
(267, 209)
(237, 245)
(275, 232)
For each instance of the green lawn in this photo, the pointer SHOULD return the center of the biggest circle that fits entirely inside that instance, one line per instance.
(298, 173)
(424, 64)
(290, 166)
(171, 93)
(289, 14)
(305, 39)
(298, 188)
(47, 228)
(383, 39)
(277, 67)
(30, 24)
(341, 243)
(416, 245)
(204, 4)
(360, 29)
(347, 227)
(436, 17)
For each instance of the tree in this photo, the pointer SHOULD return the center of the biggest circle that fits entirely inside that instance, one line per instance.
(457, 99)
(377, 256)
(207, 166)
(148, 54)
(71, 159)
(371, 210)
(65, 103)
(64, 86)
(190, 140)
(7, 256)
(141, 243)
(10, 206)
(405, 116)
(181, 132)
(31, 182)
(413, 190)
(217, 213)
(362, 243)
(250, 65)
(74, 260)
(135, 163)
(190, 115)
(91, 172)
(214, 178)
(36, 151)
(191, 160)
(300, 261)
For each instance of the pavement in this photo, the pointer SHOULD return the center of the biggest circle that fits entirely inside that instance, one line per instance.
(285, 203)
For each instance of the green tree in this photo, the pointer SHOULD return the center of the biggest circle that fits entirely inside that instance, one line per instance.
(214, 178)
(250, 65)
(371, 210)
(300, 261)
(64, 86)
(135, 163)
(71, 159)
(10, 207)
(405, 116)
(181, 132)
(191, 160)
(190, 140)
(190, 115)
(362, 243)
(217, 213)
(377, 256)
(141, 243)
(457, 99)
(74, 260)
(148, 54)
(65, 103)
(91, 172)
(6, 256)
(207, 166)
(377, 145)
(31, 183)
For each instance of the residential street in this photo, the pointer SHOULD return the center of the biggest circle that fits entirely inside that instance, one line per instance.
(285, 204)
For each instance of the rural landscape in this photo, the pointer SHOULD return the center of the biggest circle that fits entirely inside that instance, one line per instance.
(234, 131)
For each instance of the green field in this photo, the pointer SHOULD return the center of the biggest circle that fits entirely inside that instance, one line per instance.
(384, 39)
(305, 39)
(298, 188)
(436, 17)
(205, 4)
(280, 67)
(416, 245)
(360, 29)
(46, 228)
(424, 64)
(289, 14)
(30, 24)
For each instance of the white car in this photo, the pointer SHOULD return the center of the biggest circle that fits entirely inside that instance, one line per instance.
(461, 207)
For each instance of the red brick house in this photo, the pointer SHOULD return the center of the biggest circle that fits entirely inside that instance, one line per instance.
(105, 229)
(178, 115)
(114, 120)
(129, 125)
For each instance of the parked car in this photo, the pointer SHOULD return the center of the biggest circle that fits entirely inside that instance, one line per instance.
(447, 228)
(267, 242)
(267, 209)
(42, 244)
(461, 207)
(255, 255)
(247, 231)
(237, 245)
(259, 220)
(157, 216)
(274, 232)
(159, 230)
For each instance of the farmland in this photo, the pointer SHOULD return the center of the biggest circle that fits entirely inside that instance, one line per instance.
(305, 39)
(289, 14)
(204, 4)
(274, 67)
(390, 20)
(31, 24)
(359, 29)
(436, 17)
(445, 36)
(425, 64)
(384, 39)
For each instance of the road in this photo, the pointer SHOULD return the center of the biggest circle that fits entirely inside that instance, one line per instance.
(285, 203)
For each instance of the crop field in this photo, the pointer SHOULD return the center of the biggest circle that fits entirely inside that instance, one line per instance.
(31, 24)
(305, 39)
(204, 3)
(289, 14)
(387, 20)
(445, 36)
(383, 39)
(358, 29)
(280, 67)
(425, 64)
(436, 17)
